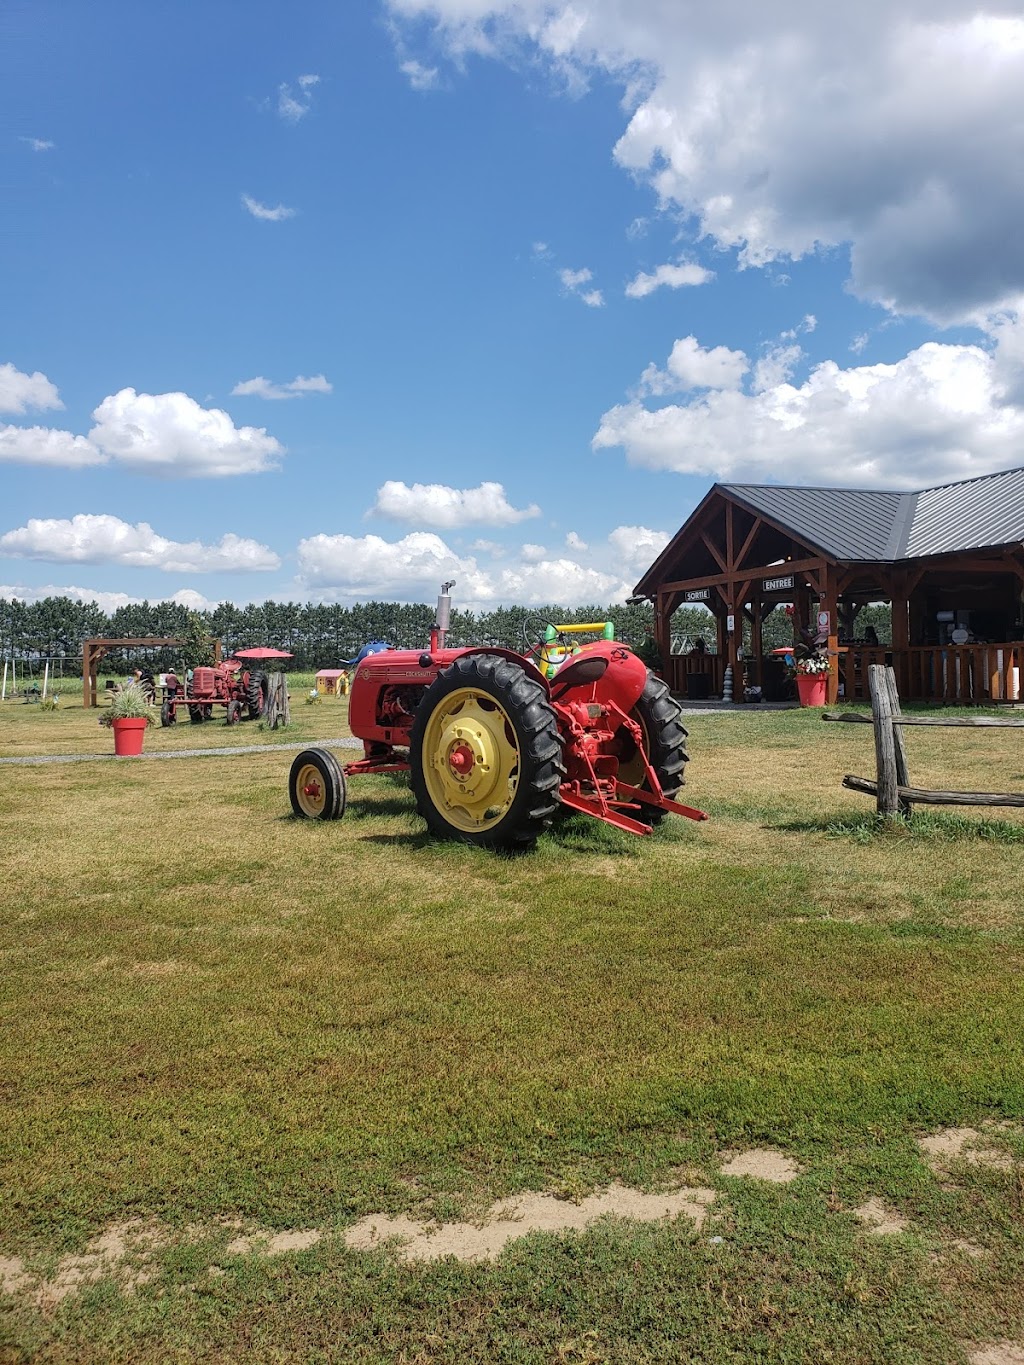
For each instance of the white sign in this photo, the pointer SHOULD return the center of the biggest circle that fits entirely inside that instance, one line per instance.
(730, 623)
(777, 584)
(824, 621)
(698, 595)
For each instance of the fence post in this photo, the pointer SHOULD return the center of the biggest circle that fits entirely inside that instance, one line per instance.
(885, 744)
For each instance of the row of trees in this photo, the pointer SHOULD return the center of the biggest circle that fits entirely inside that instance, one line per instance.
(325, 636)
(318, 636)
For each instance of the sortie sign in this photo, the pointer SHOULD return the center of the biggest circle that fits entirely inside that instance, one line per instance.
(698, 595)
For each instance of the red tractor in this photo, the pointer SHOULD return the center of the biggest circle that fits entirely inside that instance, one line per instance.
(228, 684)
(495, 747)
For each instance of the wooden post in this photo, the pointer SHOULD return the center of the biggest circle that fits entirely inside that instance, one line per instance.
(888, 801)
(899, 746)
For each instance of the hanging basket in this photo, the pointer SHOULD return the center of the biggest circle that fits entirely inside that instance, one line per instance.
(811, 688)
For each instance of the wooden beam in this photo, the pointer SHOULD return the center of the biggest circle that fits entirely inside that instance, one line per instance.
(730, 548)
(714, 550)
(923, 796)
(758, 523)
(972, 722)
(797, 566)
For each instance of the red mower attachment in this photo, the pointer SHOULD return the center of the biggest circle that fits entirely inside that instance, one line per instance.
(497, 744)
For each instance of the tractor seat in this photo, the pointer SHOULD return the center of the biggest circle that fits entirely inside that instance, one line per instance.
(584, 669)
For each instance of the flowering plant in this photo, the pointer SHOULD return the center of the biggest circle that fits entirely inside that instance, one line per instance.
(816, 663)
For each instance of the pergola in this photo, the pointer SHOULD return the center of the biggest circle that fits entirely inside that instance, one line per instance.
(94, 650)
(949, 560)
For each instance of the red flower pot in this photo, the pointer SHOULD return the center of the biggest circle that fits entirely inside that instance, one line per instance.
(811, 688)
(128, 733)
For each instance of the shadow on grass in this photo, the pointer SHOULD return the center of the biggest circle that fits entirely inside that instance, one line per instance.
(918, 827)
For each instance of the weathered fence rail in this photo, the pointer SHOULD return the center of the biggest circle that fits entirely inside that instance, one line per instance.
(891, 785)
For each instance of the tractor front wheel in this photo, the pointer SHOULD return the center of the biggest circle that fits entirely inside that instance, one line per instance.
(167, 716)
(485, 754)
(316, 786)
(664, 740)
(234, 713)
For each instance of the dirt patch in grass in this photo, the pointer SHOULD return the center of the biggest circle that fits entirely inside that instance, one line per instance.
(124, 1251)
(950, 1145)
(274, 1243)
(880, 1220)
(762, 1164)
(999, 1353)
(507, 1221)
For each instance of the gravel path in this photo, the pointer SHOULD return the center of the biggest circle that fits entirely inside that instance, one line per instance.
(348, 743)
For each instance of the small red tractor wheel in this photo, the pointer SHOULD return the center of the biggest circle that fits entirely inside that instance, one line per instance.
(234, 713)
(664, 739)
(485, 754)
(167, 716)
(316, 786)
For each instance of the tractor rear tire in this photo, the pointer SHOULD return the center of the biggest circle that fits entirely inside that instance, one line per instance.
(316, 786)
(485, 755)
(658, 714)
(257, 695)
(196, 714)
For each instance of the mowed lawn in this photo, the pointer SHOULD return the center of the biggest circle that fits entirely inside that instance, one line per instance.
(216, 1018)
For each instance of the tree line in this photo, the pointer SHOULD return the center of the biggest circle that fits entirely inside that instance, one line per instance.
(319, 636)
(324, 636)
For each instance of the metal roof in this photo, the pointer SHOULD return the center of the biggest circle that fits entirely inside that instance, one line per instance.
(863, 524)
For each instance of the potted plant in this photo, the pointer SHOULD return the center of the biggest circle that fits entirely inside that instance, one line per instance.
(811, 679)
(128, 715)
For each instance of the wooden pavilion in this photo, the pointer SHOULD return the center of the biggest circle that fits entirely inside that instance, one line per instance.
(949, 560)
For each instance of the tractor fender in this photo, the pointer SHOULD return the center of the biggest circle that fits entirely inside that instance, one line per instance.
(624, 678)
(527, 665)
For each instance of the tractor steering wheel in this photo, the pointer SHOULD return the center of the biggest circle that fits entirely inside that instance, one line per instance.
(534, 632)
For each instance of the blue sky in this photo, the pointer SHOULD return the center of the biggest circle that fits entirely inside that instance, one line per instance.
(330, 301)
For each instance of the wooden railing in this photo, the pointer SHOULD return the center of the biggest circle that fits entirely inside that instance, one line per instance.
(682, 666)
(954, 674)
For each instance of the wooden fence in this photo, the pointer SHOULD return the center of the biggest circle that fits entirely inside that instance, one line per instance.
(891, 786)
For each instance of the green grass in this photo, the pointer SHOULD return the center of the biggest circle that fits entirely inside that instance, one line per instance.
(212, 1011)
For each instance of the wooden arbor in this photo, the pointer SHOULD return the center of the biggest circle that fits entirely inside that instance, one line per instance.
(94, 650)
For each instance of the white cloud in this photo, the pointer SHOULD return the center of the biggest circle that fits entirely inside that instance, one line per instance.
(633, 549)
(171, 435)
(106, 601)
(573, 282)
(370, 567)
(532, 554)
(103, 539)
(269, 215)
(436, 504)
(573, 542)
(47, 446)
(294, 106)
(775, 367)
(19, 392)
(294, 388)
(686, 273)
(690, 366)
(39, 144)
(939, 414)
(781, 129)
(166, 434)
(420, 77)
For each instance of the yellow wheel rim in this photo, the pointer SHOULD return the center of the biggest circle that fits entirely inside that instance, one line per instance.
(471, 761)
(311, 791)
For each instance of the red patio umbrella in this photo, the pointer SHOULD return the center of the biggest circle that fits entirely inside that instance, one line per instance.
(262, 652)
